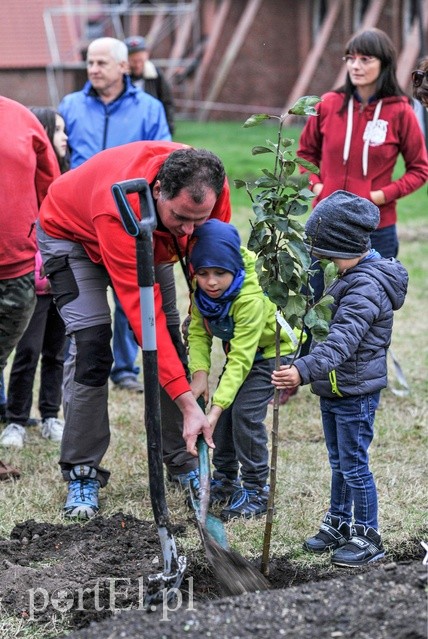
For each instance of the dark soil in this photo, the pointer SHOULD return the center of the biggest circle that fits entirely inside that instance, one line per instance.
(93, 576)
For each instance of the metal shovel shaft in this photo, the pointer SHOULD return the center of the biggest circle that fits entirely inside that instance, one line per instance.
(142, 230)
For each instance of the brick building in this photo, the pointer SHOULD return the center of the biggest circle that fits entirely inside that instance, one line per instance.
(225, 58)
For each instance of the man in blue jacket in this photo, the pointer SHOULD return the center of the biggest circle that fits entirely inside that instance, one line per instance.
(107, 112)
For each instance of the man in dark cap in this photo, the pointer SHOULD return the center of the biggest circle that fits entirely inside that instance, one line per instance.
(348, 370)
(147, 76)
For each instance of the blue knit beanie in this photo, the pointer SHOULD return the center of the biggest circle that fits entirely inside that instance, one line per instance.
(217, 245)
(340, 225)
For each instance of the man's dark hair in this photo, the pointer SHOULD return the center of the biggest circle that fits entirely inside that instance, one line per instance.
(193, 169)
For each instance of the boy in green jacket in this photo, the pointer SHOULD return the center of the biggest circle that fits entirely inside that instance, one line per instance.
(229, 303)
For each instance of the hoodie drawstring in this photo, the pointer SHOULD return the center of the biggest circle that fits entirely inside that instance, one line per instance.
(348, 136)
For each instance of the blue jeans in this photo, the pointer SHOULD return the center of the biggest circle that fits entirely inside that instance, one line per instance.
(125, 347)
(348, 428)
(385, 241)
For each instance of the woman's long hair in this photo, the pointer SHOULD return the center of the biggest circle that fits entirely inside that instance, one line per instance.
(376, 43)
(47, 117)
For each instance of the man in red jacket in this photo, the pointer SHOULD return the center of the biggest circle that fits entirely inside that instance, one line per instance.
(28, 166)
(84, 246)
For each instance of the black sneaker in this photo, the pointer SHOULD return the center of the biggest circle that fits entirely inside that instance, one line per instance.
(332, 534)
(222, 490)
(247, 503)
(363, 547)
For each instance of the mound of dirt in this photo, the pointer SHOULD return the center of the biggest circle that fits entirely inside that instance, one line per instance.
(94, 577)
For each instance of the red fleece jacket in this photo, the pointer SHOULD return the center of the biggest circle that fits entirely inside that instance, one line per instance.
(80, 207)
(323, 139)
(28, 166)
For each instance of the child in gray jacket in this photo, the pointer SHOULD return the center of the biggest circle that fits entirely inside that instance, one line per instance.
(348, 370)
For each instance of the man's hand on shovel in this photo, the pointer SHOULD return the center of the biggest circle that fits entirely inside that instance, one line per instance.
(194, 422)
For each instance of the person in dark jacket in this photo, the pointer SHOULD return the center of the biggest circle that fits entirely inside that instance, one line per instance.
(348, 370)
(148, 77)
(420, 82)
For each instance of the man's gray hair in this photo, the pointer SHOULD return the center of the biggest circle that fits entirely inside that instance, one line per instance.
(118, 49)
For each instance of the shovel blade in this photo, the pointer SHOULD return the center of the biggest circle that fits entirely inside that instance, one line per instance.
(234, 573)
(164, 585)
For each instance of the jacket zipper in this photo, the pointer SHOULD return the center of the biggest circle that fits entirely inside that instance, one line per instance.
(105, 127)
(333, 382)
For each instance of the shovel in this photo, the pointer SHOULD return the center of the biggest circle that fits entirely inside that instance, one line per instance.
(174, 565)
(234, 573)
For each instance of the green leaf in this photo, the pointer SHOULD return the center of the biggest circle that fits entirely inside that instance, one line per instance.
(269, 174)
(258, 150)
(281, 224)
(305, 105)
(239, 183)
(297, 208)
(288, 167)
(265, 182)
(286, 265)
(296, 305)
(322, 308)
(255, 120)
(259, 212)
(256, 238)
(330, 274)
(286, 142)
(306, 194)
(307, 165)
(311, 318)
(320, 331)
(297, 226)
(278, 293)
(301, 253)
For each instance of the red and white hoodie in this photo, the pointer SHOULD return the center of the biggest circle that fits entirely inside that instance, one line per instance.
(356, 149)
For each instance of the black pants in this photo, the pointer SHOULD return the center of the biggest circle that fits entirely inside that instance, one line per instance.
(45, 336)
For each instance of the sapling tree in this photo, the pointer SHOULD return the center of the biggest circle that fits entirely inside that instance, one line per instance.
(280, 197)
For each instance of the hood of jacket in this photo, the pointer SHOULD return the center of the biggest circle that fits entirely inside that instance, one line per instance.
(391, 275)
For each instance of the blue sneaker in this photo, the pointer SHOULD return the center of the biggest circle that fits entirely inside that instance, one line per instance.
(222, 490)
(82, 498)
(247, 503)
(185, 480)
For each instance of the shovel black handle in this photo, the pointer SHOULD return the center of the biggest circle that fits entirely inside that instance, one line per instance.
(142, 231)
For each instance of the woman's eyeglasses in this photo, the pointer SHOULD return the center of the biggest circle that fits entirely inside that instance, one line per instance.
(418, 77)
(364, 59)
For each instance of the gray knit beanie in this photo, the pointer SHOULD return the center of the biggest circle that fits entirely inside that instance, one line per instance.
(340, 225)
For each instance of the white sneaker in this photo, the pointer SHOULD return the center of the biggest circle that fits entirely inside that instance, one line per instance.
(13, 435)
(52, 428)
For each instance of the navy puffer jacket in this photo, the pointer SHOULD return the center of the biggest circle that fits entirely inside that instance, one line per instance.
(352, 360)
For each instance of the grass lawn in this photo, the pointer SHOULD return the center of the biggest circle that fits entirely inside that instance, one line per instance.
(398, 453)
